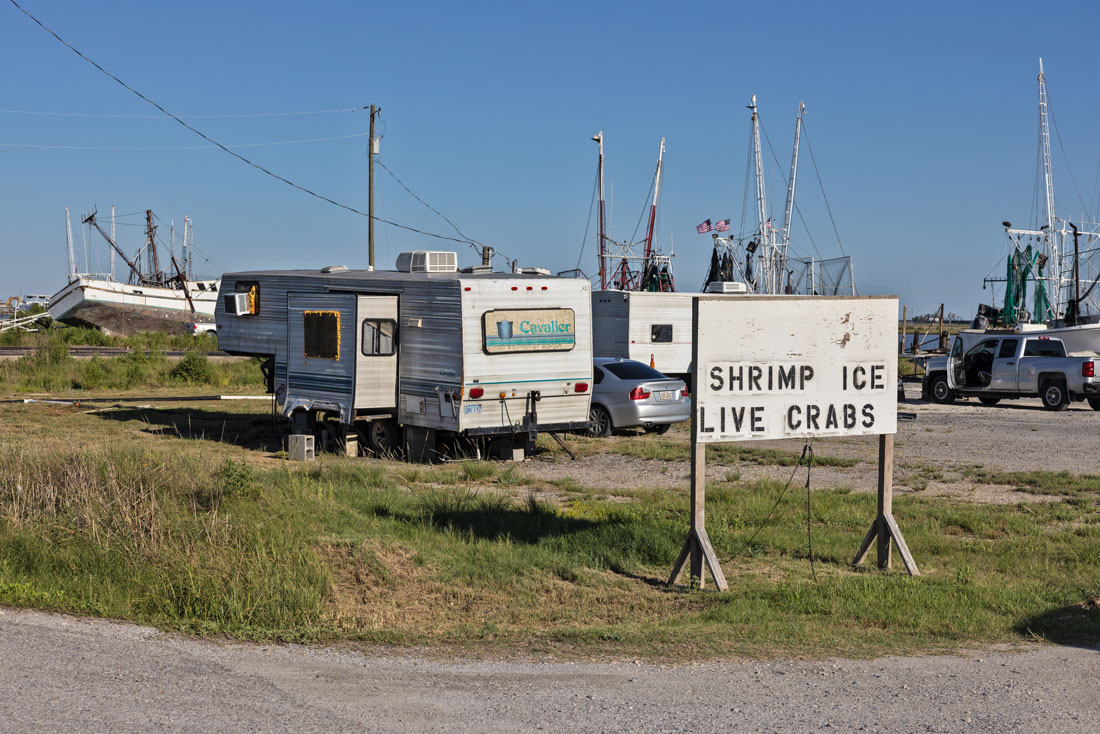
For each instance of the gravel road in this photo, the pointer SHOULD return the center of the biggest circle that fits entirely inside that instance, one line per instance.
(66, 674)
(931, 453)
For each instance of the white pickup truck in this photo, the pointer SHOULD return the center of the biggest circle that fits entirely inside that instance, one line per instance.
(993, 366)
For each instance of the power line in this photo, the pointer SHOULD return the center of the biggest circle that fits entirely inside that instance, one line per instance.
(179, 147)
(208, 139)
(160, 117)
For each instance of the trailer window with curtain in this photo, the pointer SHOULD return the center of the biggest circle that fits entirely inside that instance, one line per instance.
(321, 334)
(378, 337)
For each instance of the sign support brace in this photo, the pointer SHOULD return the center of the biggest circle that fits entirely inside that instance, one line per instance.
(885, 527)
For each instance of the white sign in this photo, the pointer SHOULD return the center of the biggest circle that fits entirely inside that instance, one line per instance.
(770, 367)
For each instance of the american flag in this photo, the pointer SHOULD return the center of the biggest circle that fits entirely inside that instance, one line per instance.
(704, 227)
(722, 226)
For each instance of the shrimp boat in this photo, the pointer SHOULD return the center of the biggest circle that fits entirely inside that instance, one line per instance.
(151, 299)
(1060, 258)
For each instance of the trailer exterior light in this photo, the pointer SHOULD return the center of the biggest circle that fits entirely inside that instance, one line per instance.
(530, 288)
(503, 395)
(476, 392)
(639, 393)
(1088, 369)
(581, 387)
(544, 287)
(466, 288)
(515, 288)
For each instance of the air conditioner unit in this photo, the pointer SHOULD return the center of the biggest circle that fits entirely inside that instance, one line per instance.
(236, 304)
(427, 261)
(727, 286)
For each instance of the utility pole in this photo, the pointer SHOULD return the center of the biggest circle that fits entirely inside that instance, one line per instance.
(486, 255)
(370, 188)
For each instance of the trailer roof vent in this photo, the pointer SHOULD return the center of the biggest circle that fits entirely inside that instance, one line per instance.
(728, 286)
(478, 269)
(334, 269)
(427, 261)
(534, 271)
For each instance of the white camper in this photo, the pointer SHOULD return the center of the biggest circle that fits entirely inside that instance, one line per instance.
(649, 327)
(419, 355)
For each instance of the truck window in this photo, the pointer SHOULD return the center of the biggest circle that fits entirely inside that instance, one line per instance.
(661, 333)
(321, 334)
(1008, 348)
(1044, 348)
(978, 363)
(378, 338)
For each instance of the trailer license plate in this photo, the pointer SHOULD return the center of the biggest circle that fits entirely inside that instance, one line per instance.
(471, 408)
(666, 395)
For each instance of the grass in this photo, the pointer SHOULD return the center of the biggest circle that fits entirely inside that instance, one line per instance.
(1061, 484)
(85, 336)
(672, 450)
(187, 522)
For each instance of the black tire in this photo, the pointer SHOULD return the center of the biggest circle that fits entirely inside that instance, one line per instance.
(941, 391)
(382, 436)
(1094, 403)
(658, 430)
(1053, 394)
(601, 421)
(989, 401)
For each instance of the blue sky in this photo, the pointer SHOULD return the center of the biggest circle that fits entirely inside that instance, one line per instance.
(922, 118)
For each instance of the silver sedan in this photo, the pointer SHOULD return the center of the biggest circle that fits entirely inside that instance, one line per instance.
(630, 394)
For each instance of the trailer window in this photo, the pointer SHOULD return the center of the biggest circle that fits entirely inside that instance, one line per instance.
(1044, 348)
(321, 334)
(378, 337)
(661, 333)
(252, 288)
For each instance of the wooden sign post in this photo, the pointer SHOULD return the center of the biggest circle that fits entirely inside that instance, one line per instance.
(780, 367)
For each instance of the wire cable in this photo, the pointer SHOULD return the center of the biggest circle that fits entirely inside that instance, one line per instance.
(588, 221)
(180, 147)
(208, 139)
(809, 537)
(193, 117)
(821, 185)
(771, 512)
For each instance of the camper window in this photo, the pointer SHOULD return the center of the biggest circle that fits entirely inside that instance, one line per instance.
(378, 338)
(321, 334)
(661, 333)
(252, 288)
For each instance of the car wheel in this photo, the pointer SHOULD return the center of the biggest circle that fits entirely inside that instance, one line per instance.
(1094, 403)
(941, 391)
(989, 401)
(601, 421)
(1054, 395)
(658, 430)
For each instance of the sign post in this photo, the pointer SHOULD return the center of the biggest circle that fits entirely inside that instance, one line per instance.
(781, 367)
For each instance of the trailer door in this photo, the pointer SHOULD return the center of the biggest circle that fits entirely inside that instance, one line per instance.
(321, 349)
(376, 352)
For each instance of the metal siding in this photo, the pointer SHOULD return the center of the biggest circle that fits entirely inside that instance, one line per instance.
(315, 382)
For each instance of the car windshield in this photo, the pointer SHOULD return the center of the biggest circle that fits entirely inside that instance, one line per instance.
(633, 371)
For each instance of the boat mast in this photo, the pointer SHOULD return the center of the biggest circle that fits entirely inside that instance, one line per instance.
(602, 227)
(69, 240)
(765, 243)
(653, 210)
(151, 241)
(788, 210)
(1050, 237)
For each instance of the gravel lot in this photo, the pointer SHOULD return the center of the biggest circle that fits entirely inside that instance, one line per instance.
(67, 674)
(930, 453)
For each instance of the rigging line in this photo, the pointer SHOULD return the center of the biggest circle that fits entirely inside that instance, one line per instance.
(821, 185)
(1058, 134)
(588, 221)
(809, 536)
(772, 510)
(180, 147)
(439, 213)
(787, 183)
(208, 139)
(645, 210)
(193, 117)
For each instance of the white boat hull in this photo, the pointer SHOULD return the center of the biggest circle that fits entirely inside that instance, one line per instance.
(122, 308)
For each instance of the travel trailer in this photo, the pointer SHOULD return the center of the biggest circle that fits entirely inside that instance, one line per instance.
(420, 358)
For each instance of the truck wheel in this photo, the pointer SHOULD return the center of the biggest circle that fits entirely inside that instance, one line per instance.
(989, 401)
(382, 436)
(601, 421)
(1054, 395)
(1094, 403)
(941, 392)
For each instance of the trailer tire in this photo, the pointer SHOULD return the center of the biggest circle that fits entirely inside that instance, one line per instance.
(1094, 403)
(382, 436)
(989, 401)
(1054, 395)
(601, 421)
(940, 390)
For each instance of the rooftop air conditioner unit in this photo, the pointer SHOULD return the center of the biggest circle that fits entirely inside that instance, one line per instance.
(727, 286)
(427, 261)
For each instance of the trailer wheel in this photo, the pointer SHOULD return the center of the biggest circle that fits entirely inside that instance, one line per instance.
(941, 392)
(1054, 395)
(1094, 403)
(601, 421)
(382, 436)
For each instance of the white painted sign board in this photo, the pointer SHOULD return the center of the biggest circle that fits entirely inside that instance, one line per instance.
(769, 367)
